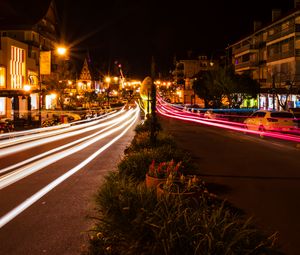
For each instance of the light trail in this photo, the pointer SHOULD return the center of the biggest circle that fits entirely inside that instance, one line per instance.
(31, 200)
(15, 134)
(51, 132)
(25, 146)
(170, 107)
(27, 161)
(196, 116)
(172, 114)
(23, 172)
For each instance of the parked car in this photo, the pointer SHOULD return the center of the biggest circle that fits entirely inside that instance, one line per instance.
(6, 125)
(210, 114)
(265, 120)
(296, 112)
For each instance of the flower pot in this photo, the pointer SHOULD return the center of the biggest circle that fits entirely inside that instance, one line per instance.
(161, 190)
(152, 182)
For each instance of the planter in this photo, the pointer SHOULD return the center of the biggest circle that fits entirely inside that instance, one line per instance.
(152, 182)
(177, 189)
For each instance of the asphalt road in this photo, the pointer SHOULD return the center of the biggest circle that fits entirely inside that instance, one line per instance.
(261, 176)
(58, 222)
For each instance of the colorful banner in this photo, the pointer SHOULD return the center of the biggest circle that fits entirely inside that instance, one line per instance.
(45, 62)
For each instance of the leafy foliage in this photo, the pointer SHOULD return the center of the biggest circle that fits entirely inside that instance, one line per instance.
(136, 164)
(134, 221)
(223, 84)
(164, 169)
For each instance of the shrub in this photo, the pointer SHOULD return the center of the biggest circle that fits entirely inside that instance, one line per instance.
(125, 207)
(142, 141)
(133, 221)
(164, 169)
(204, 229)
(146, 126)
(137, 164)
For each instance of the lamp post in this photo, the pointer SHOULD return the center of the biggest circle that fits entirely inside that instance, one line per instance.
(27, 89)
(45, 69)
(108, 80)
(153, 105)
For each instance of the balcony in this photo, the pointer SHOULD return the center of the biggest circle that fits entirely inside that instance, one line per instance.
(281, 55)
(283, 32)
(249, 64)
(297, 52)
(244, 48)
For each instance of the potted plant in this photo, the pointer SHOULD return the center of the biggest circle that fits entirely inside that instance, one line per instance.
(160, 172)
(190, 186)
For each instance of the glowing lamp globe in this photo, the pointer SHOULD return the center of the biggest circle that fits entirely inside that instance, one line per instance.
(145, 89)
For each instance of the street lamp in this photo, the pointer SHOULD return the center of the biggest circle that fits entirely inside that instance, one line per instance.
(27, 88)
(108, 80)
(61, 50)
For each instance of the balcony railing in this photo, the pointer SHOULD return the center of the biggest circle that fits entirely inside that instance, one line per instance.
(297, 53)
(246, 64)
(282, 33)
(244, 48)
(281, 55)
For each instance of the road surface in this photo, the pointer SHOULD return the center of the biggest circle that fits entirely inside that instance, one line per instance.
(261, 176)
(47, 200)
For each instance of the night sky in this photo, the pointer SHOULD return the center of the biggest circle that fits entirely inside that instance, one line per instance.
(131, 31)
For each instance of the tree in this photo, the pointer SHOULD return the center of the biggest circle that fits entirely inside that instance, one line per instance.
(242, 88)
(90, 97)
(59, 89)
(282, 86)
(220, 84)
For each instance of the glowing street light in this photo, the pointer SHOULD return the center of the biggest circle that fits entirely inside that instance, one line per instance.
(107, 79)
(27, 87)
(61, 50)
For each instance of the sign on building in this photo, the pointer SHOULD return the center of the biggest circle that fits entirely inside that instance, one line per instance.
(45, 62)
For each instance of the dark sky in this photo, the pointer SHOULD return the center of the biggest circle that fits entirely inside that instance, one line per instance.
(131, 31)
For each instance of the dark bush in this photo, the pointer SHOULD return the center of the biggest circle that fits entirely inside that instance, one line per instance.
(133, 222)
(137, 164)
(142, 141)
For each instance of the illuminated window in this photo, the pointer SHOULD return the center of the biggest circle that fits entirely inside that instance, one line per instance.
(2, 77)
(2, 105)
(17, 67)
(34, 101)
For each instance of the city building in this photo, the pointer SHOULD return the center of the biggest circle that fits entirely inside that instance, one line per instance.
(27, 60)
(271, 54)
(184, 74)
(89, 78)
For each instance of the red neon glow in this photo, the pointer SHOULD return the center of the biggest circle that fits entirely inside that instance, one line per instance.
(164, 109)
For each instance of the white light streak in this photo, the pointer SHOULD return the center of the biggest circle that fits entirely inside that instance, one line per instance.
(31, 200)
(52, 138)
(42, 155)
(23, 172)
(51, 132)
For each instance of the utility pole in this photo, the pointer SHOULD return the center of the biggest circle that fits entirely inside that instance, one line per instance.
(153, 105)
(273, 91)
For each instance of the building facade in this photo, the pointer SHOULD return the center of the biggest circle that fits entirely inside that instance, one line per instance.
(184, 74)
(272, 55)
(27, 60)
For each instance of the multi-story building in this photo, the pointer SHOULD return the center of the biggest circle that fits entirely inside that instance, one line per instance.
(272, 56)
(25, 40)
(184, 73)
